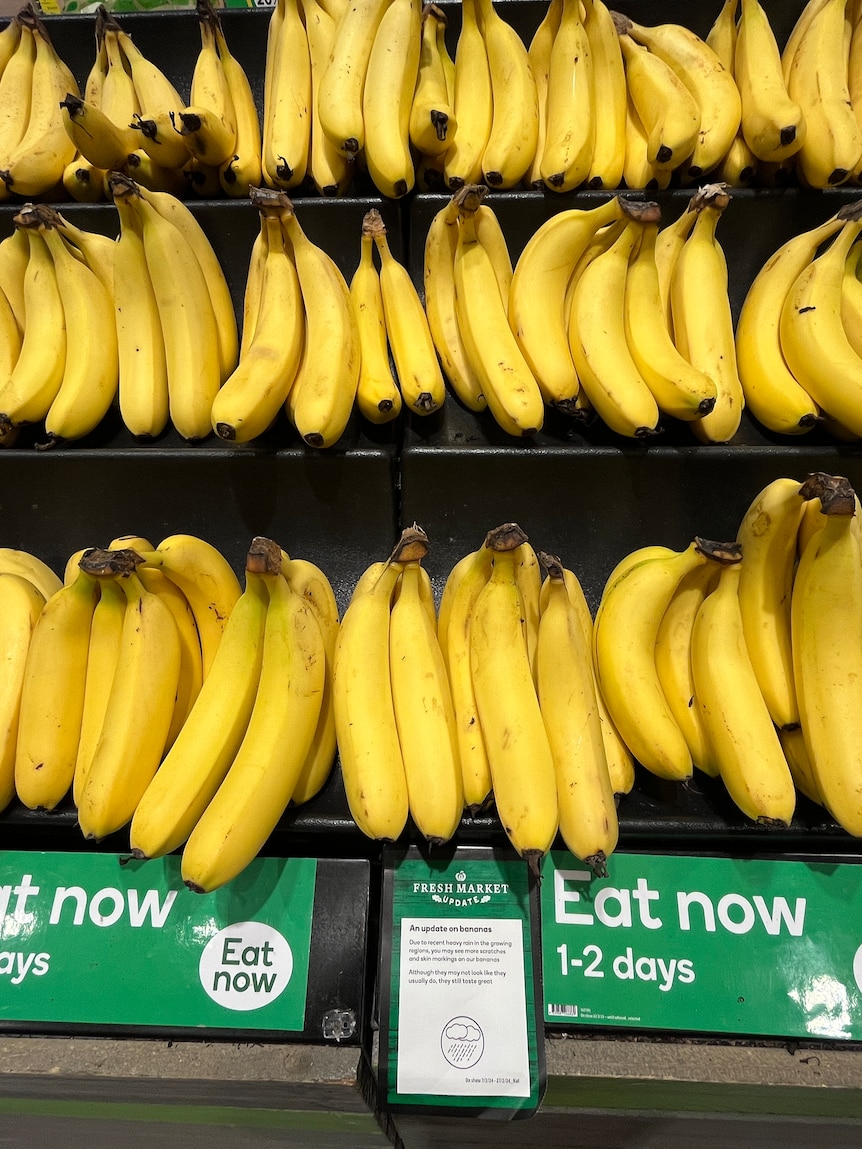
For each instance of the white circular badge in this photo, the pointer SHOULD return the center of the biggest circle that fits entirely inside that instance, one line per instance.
(245, 966)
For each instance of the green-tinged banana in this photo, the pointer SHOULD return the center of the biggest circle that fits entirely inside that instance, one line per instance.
(567, 696)
(343, 82)
(138, 713)
(519, 752)
(624, 635)
(799, 764)
(826, 612)
(377, 394)
(330, 169)
(772, 393)
(678, 388)
(143, 376)
(567, 150)
(813, 340)
(10, 337)
(768, 534)
(250, 399)
(742, 738)
(673, 662)
(508, 384)
(28, 392)
(439, 282)
(432, 122)
(91, 368)
(818, 82)
(20, 607)
(424, 714)
(311, 584)
(32, 568)
(413, 351)
(16, 86)
(372, 766)
(287, 111)
(709, 82)
(259, 784)
(52, 695)
(103, 652)
(609, 103)
(665, 106)
(597, 337)
(539, 53)
(393, 66)
(207, 744)
(473, 103)
(188, 321)
(773, 124)
(511, 144)
(96, 137)
(703, 323)
(324, 391)
(243, 170)
(454, 620)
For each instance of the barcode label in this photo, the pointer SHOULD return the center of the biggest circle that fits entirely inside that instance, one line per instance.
(562, 1010)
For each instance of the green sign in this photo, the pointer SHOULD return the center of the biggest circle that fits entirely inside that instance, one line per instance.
(93, 939)
(459, 1006)
(714, 944)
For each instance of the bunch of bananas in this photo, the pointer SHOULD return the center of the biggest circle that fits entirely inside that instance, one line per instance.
(160, 693)
(799, 334)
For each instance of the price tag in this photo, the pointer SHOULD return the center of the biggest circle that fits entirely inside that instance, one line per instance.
(458, 1002)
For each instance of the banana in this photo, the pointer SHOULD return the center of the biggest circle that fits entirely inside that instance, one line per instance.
(209, 136)
(324, 391)
(52, 695)
(343, 82)
(16, 86)
(567, 696)
(539, 53)
(205, 747)
(377, 395)
(473, 103)
(624, 636)
(188, 322)
(31, 568)
(419, 376)
(668, 245)
(258, 786)
(609, 103)
(331, 170)
(158, 99)
(709, 82)
(493, 239)
(34, 165)
(208, 123)
(143, 376)
(207, 580)
(851, 299)
(768, 534)
(372, 765)
(287, 105)
(31, 387)
(567, 151)
(799, 764)
(454, 620)
(813, 339)
(103, 652)
(511, 144)
(96, 137)
(14, 257)
(773, 124)
(638, 171)
(508, 384)
(424, 713)
(432, 123)
(788, 52)
(519, 752)
(393, 65)
(601, 354)
(243, 170)
(21, 604)
(678, 388)
(10, 37)
(10, 337)
(95, 249)
(140, 704)
(703, 323)
(528, 575)
(83, 182)
(91, 367)
(160, 140)
(253, 283)
(673, 662)
(739, 165)
(118, 100)
(439, 283)
(665, 106)
(818, 82)
(825, 610)
(251, 398)
(309, 582)
(772, 392)
(741, 736)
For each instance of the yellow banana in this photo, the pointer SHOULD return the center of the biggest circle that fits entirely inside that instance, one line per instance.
(16, 87)
(10, 337)
(514, 133)
(567, 151)
(539, 53)
(96, 137)
(638, 170)
(331, 169)
(393, 66)
(609, 103)
(95, 249)
(31, 568)
(157, 99)
(209, 136)
(799, 764)
(343, 82)
(243, 170)
(432, 123)
(159, 140)
(83, 181)
(668, 245)
(773, 124)
(20, 607)
(473, 103)
(10, 37)
(14, 257)
(287, 111)
(377, 394)
(208, 122)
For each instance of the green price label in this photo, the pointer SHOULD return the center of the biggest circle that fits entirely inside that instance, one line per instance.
(86, 938)
(734, 945)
